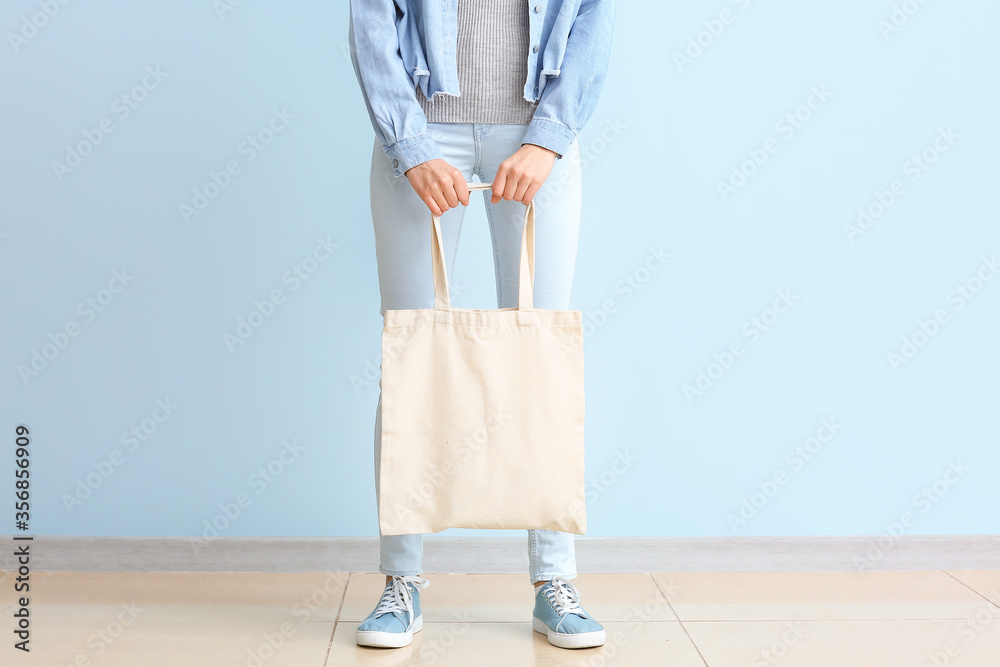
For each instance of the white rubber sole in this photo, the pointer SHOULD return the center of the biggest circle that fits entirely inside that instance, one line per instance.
(388, 639)
(563, 640)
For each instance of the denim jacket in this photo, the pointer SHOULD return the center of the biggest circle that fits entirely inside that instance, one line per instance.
(400, 45)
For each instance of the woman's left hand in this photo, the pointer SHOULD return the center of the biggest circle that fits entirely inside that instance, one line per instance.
(522, 174)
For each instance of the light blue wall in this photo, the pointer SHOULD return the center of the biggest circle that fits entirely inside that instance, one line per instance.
(664, 135)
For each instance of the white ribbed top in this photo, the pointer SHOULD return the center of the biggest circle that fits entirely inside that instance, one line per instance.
(492, 55)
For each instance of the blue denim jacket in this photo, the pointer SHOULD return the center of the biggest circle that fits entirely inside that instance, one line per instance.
(397, 46)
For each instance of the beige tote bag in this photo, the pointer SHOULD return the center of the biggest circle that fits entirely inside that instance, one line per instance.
(482, 411)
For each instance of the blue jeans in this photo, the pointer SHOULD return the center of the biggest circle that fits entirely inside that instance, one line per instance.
(402, 246)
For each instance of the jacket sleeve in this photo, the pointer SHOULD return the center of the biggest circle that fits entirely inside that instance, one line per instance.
(389, 93)
(569, 99)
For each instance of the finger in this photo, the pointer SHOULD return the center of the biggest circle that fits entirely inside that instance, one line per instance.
(522, 188)
(510, 186)
(499, 183)
(530, 193)
(435, 202)
(441, 202)
(461, 188)
(448, 191)
(432, 205)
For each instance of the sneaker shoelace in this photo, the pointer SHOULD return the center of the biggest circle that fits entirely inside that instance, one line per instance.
(564, 598)
(397, 597)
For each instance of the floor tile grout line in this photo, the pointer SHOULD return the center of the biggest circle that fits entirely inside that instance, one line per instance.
(677, 616)
(329, 646)
(995, 603)
(665, 596)
(343, 596)
(336, 621)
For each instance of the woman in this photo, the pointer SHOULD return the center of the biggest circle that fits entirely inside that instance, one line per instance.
(445, 88)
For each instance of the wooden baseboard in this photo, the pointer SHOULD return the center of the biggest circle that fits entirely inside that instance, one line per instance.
(510, 554)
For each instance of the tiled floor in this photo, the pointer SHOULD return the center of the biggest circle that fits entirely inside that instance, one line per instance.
(189, 619)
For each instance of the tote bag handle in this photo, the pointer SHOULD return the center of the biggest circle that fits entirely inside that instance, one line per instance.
(526, 275)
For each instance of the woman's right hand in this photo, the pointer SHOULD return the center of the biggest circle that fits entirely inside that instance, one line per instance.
(440, 185)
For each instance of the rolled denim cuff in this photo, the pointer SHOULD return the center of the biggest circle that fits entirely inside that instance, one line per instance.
(549, 134)
(408, 153)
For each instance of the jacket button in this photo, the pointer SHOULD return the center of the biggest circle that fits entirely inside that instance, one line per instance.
(535, 48)
(395, 163)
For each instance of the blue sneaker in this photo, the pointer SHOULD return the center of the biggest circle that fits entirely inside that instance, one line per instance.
(397, 615)
(559, 616)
